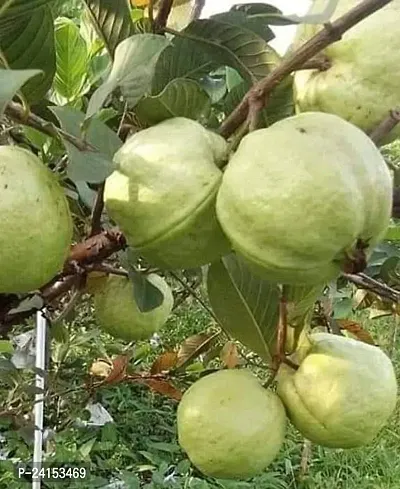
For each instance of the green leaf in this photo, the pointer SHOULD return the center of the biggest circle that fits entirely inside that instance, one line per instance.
(146, 295)
(269, 14)
(235, 46)
(132, 70)
(10, 82)
(72, 59)
(180, 98)
(246, 306)
(232, 78)
(17, 8)
(256, 25)
(112, 21)
(182, 59)
(27, 42)
(89, 166)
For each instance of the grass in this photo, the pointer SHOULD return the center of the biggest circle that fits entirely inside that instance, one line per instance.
(141, 447)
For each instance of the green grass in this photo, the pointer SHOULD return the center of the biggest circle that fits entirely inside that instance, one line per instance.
(141, 446)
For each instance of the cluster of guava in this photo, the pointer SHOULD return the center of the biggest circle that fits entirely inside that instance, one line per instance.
(35, 222)
(341, 396)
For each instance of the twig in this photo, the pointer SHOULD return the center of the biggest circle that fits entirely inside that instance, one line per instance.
(319, 62)
(368, 283)
(386, 126)
(17, 113)
(97, 211)
(294, 61)
(305, 459)
(106, 268)
(195, 296)
(163, 14)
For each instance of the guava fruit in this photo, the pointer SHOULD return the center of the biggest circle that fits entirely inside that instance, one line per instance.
(342, 394)
(35, 222)
(163, 190)
(230, 426)
(118, 314)
(300, 198)
(362, 83)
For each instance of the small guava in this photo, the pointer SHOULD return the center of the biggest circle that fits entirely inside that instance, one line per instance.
(302, 198)
(362, 83)
(162, 194)
(35, 222)
(343, 393)
(230, 426)
(118, 314)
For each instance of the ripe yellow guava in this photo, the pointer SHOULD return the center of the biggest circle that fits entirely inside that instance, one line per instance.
(362, 83)
(118, 314)
(297, 196)
(343, 393)
(162, 193)
(35, 222)
(230, 426)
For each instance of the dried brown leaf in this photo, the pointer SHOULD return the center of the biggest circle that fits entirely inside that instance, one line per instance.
(118, 371)
(164, 362)
(163, 387)
(357, 330)
(229, 355)
(194, 346)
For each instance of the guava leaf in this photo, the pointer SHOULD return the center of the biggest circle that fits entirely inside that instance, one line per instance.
(146, 295)
(132, 71)
(393, 233)
(71, 59)
(235, 46)
(180, 98)
(27, 42)
(6, 346)
(247, 307)
(112, 21)
(266, 13)
(11, 81)
(182, 59)
(89, 166)
(239, 18)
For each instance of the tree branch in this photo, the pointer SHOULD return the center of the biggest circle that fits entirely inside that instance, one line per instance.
(17, 113)
(386, 126)
(163, 14)
(364, 282)
(294, 61)
(97, 211)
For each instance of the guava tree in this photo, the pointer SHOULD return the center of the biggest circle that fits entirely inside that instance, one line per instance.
(143, 146)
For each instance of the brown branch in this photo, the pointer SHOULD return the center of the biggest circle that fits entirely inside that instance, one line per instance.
(364, 282)
(17, 113)
(319, 62)
(106, 268)
(97, 211)
(386, 126)
(331, 33)
(163, 14)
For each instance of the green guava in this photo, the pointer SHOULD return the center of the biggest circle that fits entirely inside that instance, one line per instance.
(230, 426)
(35, 222)
(118, 314)
(162, 194)
(361, 85)
(298, 198)
(342, 394)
